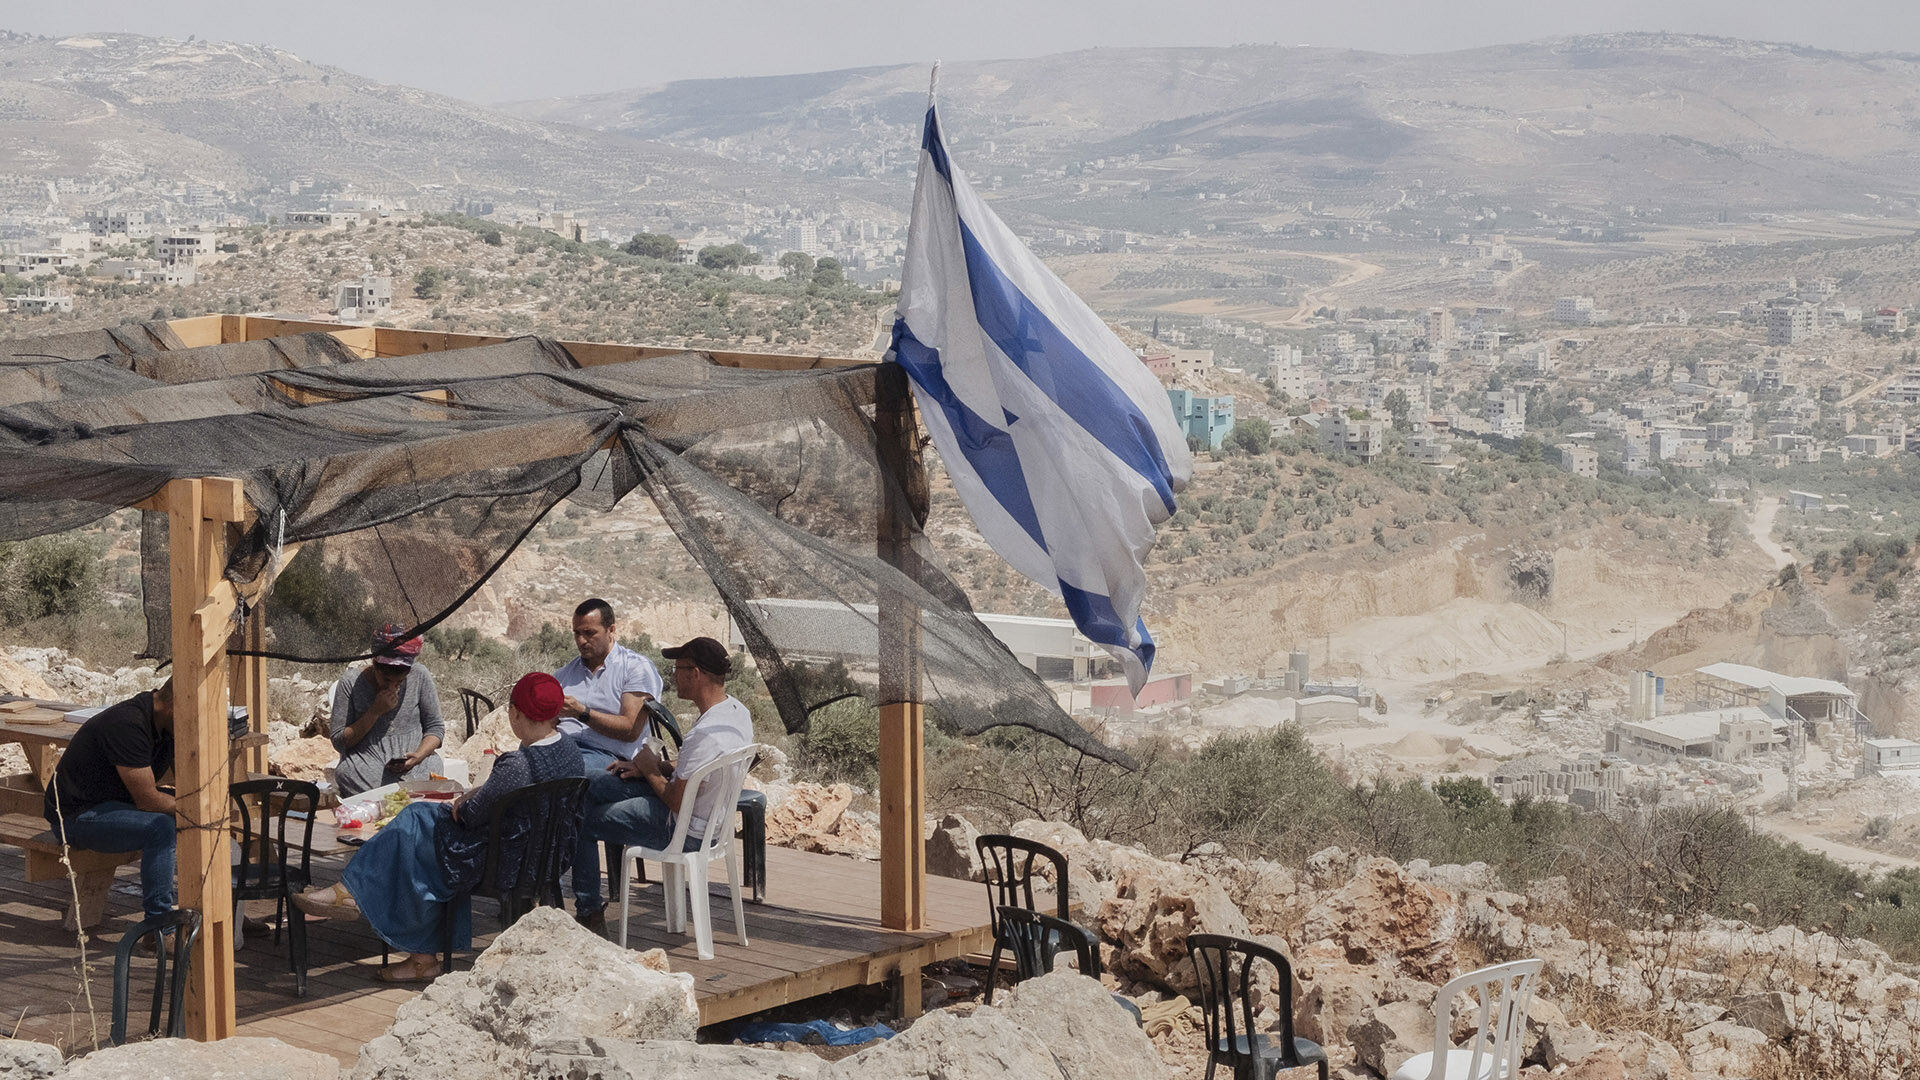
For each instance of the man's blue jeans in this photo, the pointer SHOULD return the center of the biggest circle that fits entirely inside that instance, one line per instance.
(616, 811)
(587, 897)
(118, 826)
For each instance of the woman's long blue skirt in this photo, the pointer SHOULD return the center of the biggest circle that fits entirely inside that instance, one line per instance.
(397, 881)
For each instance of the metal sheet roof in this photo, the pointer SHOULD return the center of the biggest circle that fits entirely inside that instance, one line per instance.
(1699, 726)
(1762, 679)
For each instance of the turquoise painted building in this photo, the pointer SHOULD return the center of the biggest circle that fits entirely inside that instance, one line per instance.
(1207, 419)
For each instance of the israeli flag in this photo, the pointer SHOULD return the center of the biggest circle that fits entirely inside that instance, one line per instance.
(1060, 442)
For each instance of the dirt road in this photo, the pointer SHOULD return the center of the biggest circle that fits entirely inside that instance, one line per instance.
(1311, 299)
(1858, 858)
(1761, 526)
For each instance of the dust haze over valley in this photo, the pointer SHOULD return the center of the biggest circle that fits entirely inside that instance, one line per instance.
(1544, 366)
(1295, 214)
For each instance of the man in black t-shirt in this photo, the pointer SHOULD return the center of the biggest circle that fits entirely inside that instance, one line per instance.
(106, 795)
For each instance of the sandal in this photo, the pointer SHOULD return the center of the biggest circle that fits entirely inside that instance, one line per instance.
(343, 907)
(409, 971)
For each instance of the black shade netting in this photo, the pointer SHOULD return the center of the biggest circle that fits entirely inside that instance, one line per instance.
(116, 343)
(796, 597)
(392, 489)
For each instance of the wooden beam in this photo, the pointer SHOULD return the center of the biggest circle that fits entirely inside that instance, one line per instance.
(222, 499)
(198, 331)
(903, 792)
(393, 342)
(196, 551)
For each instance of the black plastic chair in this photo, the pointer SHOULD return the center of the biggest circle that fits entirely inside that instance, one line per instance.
(752, 807)
(476, 705)
(265, 870)
(1225, 968)
(180, 926)
(1036, 939)
(545, 848)
(1009, 865)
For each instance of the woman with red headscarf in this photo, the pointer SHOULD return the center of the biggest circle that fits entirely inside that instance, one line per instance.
(386, 717)
(434, 852)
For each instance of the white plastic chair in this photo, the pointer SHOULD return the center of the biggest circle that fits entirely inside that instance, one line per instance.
(1505, 995)
(683, 879)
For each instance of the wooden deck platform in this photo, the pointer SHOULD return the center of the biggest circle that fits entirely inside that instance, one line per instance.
(818, 931)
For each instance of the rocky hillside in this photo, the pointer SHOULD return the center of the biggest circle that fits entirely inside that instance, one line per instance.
(1415, 572)
(476, 277)
(1681, 122)
(123, 109)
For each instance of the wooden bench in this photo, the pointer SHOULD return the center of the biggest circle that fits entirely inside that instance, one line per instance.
(93, 870)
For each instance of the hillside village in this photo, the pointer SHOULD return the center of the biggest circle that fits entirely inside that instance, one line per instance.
(1545, 586)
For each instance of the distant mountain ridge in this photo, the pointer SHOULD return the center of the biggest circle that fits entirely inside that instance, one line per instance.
(1684, 119)
(118, 108)
(1162, 140)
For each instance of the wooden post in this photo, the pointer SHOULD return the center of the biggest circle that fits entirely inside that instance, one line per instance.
(903, 795)
(248, 677)
(197, 514)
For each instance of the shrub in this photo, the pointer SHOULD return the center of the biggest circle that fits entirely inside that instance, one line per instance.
(48, 575)
(842, 744)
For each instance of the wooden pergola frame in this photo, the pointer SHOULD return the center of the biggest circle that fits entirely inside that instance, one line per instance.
(200, 511)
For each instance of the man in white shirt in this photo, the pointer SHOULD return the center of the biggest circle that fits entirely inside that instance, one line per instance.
(652, 793)
(607, 688)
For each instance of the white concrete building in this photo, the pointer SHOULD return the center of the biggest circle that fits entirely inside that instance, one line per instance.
(804, 236)
(1718, 735)
(115, 226)
(1188, 363)
(31, 264)
(1579, 460)
(40, 302)
(1790, 320)
(1506, 412)
(364, 296)
(1574, 310)
(188, 247)
(1364, 439)
(1884, 757)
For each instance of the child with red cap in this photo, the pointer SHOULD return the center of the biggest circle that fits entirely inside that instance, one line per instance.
(433, 852)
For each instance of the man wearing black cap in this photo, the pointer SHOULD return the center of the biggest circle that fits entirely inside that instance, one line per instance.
(653, 793)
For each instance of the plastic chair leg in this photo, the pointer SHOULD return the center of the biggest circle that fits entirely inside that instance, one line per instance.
(446, 937)
(673, 893)
(753, 837)
(620, 935)
(297, 947)
(993, 972)
(702, 909)
(736, 887)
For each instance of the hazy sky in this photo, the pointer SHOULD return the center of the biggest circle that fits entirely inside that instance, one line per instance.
(501, 50)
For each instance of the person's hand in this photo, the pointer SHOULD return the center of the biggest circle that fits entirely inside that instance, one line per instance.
(413, 761)
(625, 770)
(647, 760)
(570, 706)
(386, 699)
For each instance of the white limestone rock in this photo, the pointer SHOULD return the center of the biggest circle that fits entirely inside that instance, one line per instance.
(184, 1059)
(545, 978)
(24, 1059)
